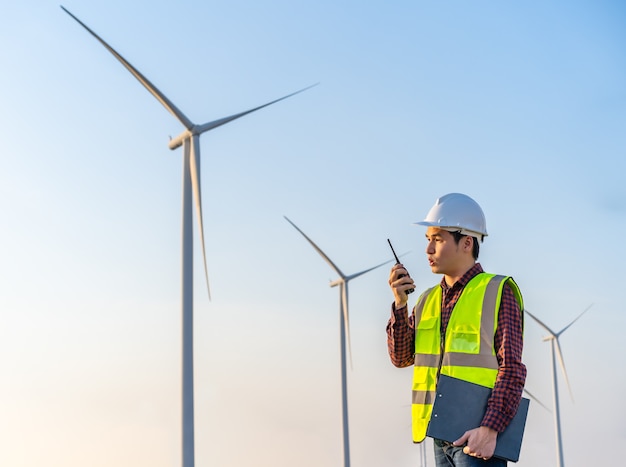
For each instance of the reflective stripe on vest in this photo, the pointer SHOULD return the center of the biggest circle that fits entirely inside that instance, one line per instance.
(469, 353)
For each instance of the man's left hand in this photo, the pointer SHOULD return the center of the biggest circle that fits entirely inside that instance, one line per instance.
(479, 442)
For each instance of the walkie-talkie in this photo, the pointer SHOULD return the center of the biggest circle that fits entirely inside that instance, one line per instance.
(408, 291)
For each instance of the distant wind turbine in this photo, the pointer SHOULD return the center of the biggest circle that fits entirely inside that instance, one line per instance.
(344, 332)
(189, 139)
(536, 400)
(556, 353)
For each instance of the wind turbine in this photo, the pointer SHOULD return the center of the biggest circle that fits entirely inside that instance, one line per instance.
(344, 333)
(556, 353)
(189, 139)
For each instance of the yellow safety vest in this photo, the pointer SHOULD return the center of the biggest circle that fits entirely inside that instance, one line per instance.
(469, 353)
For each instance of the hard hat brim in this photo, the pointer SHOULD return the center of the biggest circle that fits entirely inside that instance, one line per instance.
(452, 228)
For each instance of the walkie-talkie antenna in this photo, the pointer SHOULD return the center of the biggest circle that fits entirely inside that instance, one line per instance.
(393, 251)
(408, 291)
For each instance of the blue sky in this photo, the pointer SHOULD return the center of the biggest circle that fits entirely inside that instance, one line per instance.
(521, 105)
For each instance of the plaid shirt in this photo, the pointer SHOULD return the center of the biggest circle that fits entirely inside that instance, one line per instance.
(508, 342)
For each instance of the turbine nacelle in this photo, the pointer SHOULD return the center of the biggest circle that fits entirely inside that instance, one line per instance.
(178, 141)
(337, 282)
(196, 130)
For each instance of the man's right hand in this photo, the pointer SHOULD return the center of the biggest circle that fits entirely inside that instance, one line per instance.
(400, 282)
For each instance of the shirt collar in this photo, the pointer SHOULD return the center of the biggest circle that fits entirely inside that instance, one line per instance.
(462, 282)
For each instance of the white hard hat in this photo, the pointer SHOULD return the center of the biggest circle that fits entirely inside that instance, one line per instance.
(457, 212)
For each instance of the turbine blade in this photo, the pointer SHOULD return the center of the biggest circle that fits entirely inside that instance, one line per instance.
(576, 319)
(352, 276)
(541, 323)
(215, 123)
(346, 319)
(562, 363)
(194, 165)
(404, 254)
(318, 249)
(536, 400)
(141, 78)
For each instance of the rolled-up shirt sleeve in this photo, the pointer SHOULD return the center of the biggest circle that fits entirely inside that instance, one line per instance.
(401, 337)
(508, 342)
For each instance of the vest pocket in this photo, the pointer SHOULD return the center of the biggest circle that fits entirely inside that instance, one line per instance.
(427, 336)
(464, 340)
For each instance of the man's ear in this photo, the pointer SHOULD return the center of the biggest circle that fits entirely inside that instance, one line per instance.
(468, 243)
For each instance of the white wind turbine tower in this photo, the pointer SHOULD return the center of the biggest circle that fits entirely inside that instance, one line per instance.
(344, 333)
(423, 454)
(189, 139)
(556, 353)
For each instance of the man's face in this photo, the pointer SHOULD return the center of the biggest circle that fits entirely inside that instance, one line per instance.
(444, 255)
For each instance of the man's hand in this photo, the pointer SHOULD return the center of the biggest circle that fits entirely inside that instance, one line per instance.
(480, 442)
(400, 282)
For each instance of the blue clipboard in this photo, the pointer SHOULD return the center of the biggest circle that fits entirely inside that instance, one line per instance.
(460, 406)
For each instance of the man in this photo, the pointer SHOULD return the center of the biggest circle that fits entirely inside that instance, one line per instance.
(451, 331)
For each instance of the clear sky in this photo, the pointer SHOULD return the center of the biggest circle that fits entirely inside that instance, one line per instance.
(521, 105)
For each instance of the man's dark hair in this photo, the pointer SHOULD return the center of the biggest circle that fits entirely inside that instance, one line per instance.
(476, 246)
